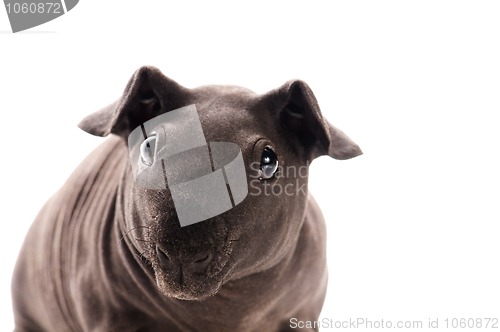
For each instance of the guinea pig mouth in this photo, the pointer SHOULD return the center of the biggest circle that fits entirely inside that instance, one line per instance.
(182, 282)
(190, 277)
(196, 289)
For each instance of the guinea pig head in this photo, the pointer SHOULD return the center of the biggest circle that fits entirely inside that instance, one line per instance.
(216, 187)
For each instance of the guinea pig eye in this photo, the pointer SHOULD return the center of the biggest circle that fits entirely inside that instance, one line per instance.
(148, 150)
(268, 163)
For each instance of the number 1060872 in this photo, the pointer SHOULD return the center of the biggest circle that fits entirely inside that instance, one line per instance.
(34, 8)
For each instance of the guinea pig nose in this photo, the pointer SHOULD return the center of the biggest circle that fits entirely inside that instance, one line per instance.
(200, 262)
(162, 256)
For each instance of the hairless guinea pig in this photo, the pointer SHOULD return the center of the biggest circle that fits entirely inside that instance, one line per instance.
(193, 216)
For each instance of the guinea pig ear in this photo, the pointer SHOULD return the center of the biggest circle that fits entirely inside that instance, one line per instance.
(300, 113)
(148, 94)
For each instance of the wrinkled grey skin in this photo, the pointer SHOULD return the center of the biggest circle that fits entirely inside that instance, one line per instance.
(106, 255)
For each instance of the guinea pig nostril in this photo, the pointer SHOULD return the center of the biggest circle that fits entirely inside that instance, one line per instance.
(162, 256)
(204, 258)
(200, 262)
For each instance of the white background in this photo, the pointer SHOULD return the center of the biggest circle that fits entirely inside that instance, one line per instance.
(413, 224)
